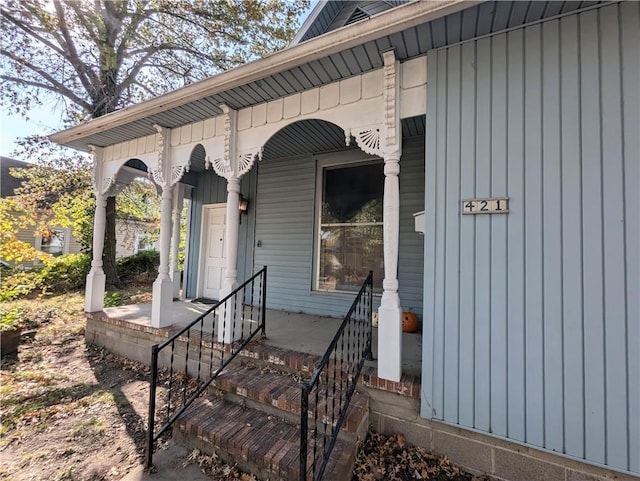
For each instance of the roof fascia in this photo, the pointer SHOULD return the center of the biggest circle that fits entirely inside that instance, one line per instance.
(386, 23)
(311, 18)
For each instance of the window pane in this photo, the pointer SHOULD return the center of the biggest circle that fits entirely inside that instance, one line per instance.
(53, 242)
(347, 254)
(353, 194)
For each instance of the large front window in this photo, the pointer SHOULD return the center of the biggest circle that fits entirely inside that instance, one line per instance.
(350, 226)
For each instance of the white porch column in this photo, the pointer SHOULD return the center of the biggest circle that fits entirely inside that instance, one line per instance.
(231, 236)
(174, 272)
(226, 333)
(161, 303)
(94, 291)
(390, 311)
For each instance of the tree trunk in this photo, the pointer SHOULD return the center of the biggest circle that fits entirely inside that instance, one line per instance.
(109, 255)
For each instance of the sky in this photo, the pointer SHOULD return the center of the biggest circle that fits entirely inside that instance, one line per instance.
(43, 120)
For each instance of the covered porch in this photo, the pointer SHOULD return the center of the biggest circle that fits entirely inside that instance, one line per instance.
(327, 206)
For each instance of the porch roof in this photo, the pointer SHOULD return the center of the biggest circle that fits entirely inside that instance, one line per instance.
(411, 30)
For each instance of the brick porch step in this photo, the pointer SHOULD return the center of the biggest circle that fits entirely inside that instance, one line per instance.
(259, 443)
(279, 394)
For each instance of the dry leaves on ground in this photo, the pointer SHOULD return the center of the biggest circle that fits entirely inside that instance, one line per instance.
(216, 468)
(390, 458)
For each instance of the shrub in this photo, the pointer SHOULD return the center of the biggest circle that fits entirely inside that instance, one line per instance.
(59, 274)
(11, 319)
(18, 284)
(65, 273)
(112, 300)
(142, 266)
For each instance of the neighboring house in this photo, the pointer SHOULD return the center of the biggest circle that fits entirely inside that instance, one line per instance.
(513, 125)
(132, 236)
(57, 240)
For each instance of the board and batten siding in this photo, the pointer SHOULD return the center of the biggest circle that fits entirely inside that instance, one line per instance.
(212, 189)
(285, 229)
(531, 317)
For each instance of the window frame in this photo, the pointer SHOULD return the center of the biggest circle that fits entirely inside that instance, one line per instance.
(350, 158)
(67, 240)
(140, 235)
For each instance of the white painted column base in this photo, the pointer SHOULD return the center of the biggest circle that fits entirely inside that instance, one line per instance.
(175, 275)
(390, 339)
(174, 271)
(162, 294)
(162, 303)
(96, 279)
(94, 290)
(227, 331)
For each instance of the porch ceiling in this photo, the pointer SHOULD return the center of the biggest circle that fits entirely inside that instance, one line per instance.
(315, 70)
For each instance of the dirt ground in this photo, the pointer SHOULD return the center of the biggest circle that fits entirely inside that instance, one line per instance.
(76, 412)
(69, 411)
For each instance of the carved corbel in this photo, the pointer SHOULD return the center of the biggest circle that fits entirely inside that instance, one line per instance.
(368, 139)
(162, 144)
(232, 164)
(391, 96)
(96, 154)
(109, 185)
(246, 161)
(177, 171)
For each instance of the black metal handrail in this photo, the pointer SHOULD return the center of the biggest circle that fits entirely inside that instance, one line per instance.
(326, 396)
(235, 310)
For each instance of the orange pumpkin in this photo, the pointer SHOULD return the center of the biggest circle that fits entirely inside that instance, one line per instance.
(409, 322)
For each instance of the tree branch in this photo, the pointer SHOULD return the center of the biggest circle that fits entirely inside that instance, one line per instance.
(78, 65)
(55, 86)
(31, 32)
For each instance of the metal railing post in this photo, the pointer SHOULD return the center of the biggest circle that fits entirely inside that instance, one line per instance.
(304, 428)
(152, 405)
(264, 303)
(370, 302)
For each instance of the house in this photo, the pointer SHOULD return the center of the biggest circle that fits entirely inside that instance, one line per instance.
(59, 241)
(132, 235)
(513, 125)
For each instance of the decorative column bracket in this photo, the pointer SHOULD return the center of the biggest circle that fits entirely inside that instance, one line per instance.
(231, 163)
(102, 184)
(391, 95)
(368, 138)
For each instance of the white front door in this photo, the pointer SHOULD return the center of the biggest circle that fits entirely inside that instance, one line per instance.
(213, 251)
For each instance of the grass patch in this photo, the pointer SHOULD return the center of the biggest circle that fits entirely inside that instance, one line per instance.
(88, 427)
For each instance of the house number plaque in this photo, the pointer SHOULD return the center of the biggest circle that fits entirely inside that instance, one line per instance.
(494, 205)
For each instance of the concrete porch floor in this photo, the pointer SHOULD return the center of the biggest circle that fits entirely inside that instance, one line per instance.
(289, 330)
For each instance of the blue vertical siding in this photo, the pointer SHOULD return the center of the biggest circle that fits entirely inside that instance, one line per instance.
(531, 318)
(285, 230)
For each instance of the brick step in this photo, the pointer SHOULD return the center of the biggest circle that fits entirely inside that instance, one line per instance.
(257, 352)
(259, 443)
(279, 394)
(304, 364)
